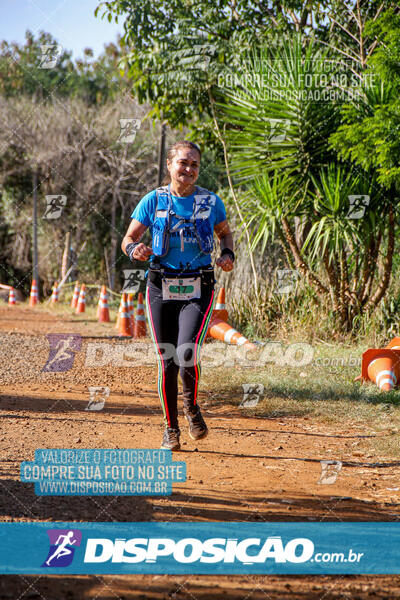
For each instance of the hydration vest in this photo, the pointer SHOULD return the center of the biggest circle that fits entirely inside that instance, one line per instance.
(199, 220)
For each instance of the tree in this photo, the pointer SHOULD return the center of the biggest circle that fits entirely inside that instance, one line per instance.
(277, 127)
(369, 135)
(92, 80)
(177, 49)
(21, 69)
(76, 152)
(63, 123)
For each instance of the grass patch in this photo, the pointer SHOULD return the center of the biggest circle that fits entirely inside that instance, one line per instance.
(323, 390)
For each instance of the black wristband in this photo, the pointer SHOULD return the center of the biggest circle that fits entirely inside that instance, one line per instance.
(130, 249)
(229, 253)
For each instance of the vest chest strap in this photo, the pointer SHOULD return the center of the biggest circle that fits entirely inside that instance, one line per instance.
(162, 222)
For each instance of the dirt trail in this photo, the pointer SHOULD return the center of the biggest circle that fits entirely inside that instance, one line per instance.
(247, 469)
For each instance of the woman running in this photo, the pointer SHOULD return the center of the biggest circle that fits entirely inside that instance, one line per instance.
(180, 290)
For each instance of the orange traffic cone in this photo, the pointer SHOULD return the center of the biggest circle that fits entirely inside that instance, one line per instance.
(140, 319)
(82, 300)
(223, 331)
(118, 315)
(11, 297)
(34, 296)
(220, 308)
(219, 311)
(74, 301)
(394, 344)
(124, 321)
(381, 367)
(104, 315)
(54, 295)
(131, 312)
(98, 304)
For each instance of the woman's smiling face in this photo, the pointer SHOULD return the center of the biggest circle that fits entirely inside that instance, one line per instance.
(184, 167)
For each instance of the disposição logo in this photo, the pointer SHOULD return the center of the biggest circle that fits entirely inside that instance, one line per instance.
(190, 550)
(62, 547)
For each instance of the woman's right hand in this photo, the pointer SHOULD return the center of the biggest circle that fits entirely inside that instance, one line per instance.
(142, 252)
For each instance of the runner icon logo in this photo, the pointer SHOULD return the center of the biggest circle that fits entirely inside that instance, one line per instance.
(98, 396)
(202, 56)
(278, 129)
(285, 281)
(252, 393)
(133, 279)
(330, 470)
(54, 206)
(128, 130)
(358, 206)
(62, 547)
(50, 55)
(62, 351)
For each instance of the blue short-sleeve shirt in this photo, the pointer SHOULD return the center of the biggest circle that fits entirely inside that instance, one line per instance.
(191, 257)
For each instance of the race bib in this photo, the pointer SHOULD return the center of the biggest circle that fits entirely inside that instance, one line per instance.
(181, 289)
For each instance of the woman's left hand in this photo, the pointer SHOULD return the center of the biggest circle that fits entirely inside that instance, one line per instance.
(225, 262)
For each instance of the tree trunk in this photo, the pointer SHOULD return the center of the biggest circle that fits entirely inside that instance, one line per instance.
(387, 266)
(114, 240)
(299, 260)
(66, 255)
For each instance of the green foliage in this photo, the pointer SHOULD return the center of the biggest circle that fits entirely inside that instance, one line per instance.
(277, 128)
(20, 71)
(283, 144)
(276, 315)
(332, 233)
(263, 207)
(273, 120)
(212, 173)
(178, 49)
(386, 58)
(94, 81)
(372, 140)
(370, 133)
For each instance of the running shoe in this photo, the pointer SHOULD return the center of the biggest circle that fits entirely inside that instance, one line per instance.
(197, 426)
(170, 439)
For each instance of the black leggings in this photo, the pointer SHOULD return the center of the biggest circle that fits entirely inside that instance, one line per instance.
(178, 328)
